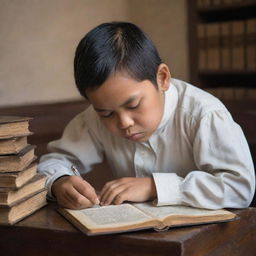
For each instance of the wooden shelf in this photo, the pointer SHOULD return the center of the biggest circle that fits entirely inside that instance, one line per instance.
(234, 11)
(231, 78)
(227, 73)
(224, 12)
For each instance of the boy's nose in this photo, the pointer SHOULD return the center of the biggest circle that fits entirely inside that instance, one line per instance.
(125, 121)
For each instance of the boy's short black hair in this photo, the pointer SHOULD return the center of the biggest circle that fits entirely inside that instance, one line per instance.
(110, 47)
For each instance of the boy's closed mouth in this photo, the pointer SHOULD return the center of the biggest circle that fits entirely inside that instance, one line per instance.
(134, 136)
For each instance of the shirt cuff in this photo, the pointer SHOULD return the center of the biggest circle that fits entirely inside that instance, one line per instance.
(52, 180)
(168, 187)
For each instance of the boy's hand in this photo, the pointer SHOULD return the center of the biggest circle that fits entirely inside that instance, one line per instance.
(128, 189)
(74, 193)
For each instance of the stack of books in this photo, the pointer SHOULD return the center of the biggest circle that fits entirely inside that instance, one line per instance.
(22, 189)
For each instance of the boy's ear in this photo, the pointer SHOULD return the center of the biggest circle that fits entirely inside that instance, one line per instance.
(163, 77)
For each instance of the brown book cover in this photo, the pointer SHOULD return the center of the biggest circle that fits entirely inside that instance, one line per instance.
(225, 42)
(199, 3)
(36, 184)
(251, 93)
(14, 126)
(250, 41)
(15, 213)
(15, 163)
(12, 145)
(227, 2)
(213, 46)
(203, 3)
(14, 180)
(216, 2)
(240, 93)
(228, 93)
(131, 217)
(202, 58)
(238, 45)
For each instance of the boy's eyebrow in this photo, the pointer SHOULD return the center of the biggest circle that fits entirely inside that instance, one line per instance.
(131, 99)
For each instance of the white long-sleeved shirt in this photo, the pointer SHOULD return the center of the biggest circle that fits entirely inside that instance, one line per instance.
(198, 155)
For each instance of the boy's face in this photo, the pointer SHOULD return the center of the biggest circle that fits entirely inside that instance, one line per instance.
(129, 108)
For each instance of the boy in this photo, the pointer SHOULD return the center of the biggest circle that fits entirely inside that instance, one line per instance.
(163, 138)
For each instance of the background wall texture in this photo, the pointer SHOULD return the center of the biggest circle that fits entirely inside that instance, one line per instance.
(38, 41)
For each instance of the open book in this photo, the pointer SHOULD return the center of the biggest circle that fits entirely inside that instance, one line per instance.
(131, 217)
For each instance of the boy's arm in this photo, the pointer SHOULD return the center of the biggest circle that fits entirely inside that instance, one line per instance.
(225, 176)
(77, 146)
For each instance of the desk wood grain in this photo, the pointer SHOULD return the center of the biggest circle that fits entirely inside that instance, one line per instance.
(47, 233)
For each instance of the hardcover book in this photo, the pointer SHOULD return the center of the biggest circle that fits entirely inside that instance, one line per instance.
(213, 46)
(14, 126)
(12, 145)
(202, 57)
(251, 44)
(11, 215)
(130, 217)
(238, 43)
(14, 180)
(11, 197)
(225, 38)
(15, 163)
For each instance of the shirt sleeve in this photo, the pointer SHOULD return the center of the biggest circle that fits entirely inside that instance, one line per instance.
(224, 177)
(79, 146)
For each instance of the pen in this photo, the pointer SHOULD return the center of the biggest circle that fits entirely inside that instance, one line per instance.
(76, 172)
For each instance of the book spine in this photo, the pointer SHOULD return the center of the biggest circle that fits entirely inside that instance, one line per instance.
(225, 45)
(213, 46)
(237, 1)
(250, 41)
(238, 47)
(233, 93)
(203, 3)
(199, 3)
(240, 93)
(202, 57)
(227, 2)
(217, 2)
(252, 94)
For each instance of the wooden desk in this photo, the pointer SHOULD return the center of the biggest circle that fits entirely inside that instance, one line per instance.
(48, 233)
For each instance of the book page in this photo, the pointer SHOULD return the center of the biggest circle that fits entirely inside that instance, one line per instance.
(110, 216)
(160, 212)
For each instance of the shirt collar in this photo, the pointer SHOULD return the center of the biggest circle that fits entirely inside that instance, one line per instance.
(170, 104)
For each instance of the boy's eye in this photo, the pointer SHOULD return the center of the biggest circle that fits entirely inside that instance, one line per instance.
(106, 115)
(134, 107)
